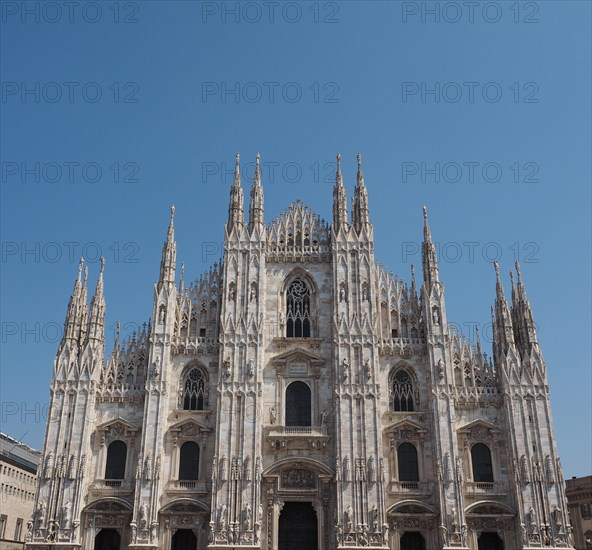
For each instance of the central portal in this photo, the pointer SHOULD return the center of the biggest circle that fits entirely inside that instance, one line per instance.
(298, 529)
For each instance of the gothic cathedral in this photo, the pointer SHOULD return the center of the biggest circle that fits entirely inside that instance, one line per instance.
(298, 396)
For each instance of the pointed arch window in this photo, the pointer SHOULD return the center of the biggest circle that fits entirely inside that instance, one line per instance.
(482, 466)
(189, 461)
(194, 389)
(407, 461)
(298, 310)
(298, 404)
(116, 458)
(402, 391)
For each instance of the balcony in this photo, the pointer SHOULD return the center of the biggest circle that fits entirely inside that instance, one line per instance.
(185, 487)
(401, 346)
(298, 437)
(411, 487)
(111, 486)
(479, 488)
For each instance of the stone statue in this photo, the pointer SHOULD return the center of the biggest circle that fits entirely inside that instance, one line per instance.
(247, 516)
(374, 516)
(367, 370)
(66, 513)
(41, 508)
(272, 416)
(345, 370)
(324, 414)
(222, 517)
(226, 371)
(349, 518)
(143, 515)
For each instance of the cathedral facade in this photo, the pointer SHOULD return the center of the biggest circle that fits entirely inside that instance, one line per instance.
(298, 396)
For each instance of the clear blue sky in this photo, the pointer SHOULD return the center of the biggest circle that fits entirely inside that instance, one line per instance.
(168, 118)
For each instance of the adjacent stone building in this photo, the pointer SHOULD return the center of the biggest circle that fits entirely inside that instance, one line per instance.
(299, 396)
(18, 479)
(579, 500)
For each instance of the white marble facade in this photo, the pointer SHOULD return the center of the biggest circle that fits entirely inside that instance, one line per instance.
(299, 396)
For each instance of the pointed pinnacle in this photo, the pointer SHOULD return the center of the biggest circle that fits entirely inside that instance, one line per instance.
(338, 174)
(426, 225)
(237, 171)
(257, 179)
(102, 265)
(360, 173)
(498, 281)
(171, 230)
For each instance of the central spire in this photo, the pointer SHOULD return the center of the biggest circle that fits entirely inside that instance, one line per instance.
(339, 200)
(236, 215)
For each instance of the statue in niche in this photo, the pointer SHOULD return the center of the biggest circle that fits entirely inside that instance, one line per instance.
(250, 369)
(367, 370)
(143, 515)
(342, 294)
(247, 516)
(67, 513)
(436, 316)
(253, 295)
(226, 368)
(324, 415)
(345, 370)
(272, 416)
(349, 518)
(161, 315)
(374, 516)
(222, 517)
(41, 508)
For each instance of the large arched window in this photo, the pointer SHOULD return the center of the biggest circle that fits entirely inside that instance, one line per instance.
(298, 310)
(482, 467)
(298, 404)
(402, 391)
(116, 457)
(189, 461)
(194, 390)
(407, 460)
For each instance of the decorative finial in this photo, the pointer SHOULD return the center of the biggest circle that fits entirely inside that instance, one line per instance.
(257, 159)
(518, 271)
(359, 161)
(85, 274)
(102, 264)
(412, 270)
(425, 213)
(338, 159)
(172, 211)
(496, 266)
(237, 161)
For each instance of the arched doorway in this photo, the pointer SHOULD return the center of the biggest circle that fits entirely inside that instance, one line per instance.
(107, 539)
(184, 539)
(412, 541)
(490, 541)
(298, 527)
